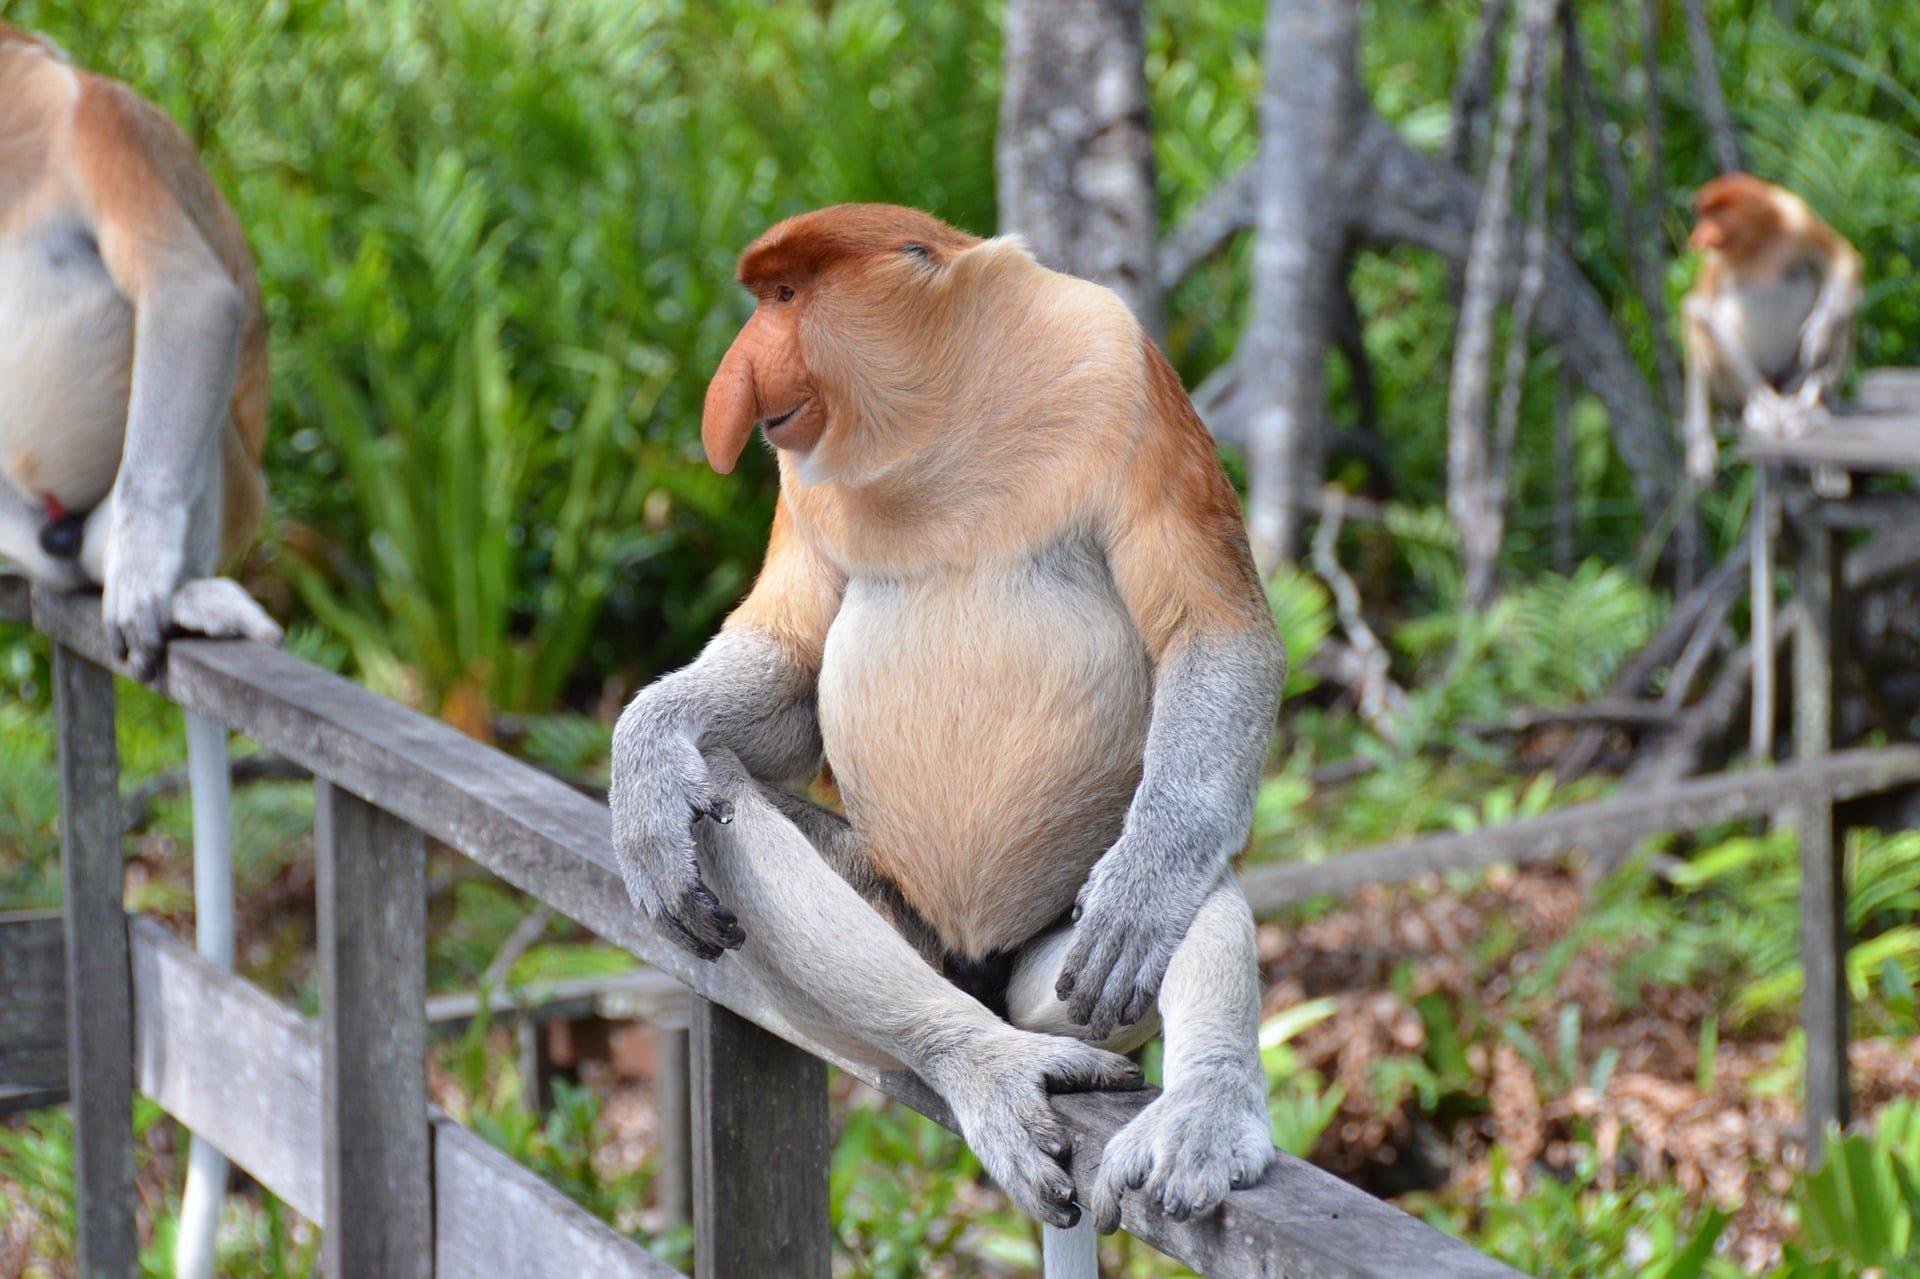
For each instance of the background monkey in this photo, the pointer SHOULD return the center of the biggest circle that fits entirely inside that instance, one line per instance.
(1009, 594)
(1769, 323)
(133, 381)
(133, 401)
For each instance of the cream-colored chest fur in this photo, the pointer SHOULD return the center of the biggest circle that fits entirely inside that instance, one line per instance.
(1768, 314)
(986, 725)
(66, 353)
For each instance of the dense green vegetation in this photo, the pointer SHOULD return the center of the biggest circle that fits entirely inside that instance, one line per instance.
(497, 245)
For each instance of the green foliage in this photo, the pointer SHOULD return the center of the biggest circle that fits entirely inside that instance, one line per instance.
(1861, 1210)
(898, 1192)
(1575, 1227)
(36, 1205)
(497, 248)
(1299, 1102)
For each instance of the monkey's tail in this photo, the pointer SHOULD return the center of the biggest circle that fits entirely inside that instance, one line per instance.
(210, 784)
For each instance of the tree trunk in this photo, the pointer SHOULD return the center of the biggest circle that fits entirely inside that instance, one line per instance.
(1074, 157)
(1476, 485)
(1309, 103)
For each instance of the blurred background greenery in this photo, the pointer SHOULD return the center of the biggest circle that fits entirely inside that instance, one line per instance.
(496, 242)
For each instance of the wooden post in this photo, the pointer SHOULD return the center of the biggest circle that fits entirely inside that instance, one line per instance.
(1823, 878)
(760, 1151)
(99, 981)
(373, 936)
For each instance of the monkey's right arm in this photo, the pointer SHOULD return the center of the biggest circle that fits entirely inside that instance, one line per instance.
(752, 691)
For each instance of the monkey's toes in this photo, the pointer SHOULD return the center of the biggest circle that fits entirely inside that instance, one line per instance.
(701, 924)
(1081, 1067)
(1184, 1152)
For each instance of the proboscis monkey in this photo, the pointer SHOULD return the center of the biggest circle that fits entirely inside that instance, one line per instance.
(1769, 323)
(133, 384)
(1009, 596)
(133, 398)
(1769, 332)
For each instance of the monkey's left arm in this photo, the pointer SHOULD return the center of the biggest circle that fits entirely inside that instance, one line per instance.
(188, 315)
(1826, 336)
(1183, 567)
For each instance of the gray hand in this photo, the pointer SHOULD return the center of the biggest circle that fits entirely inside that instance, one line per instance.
(1128, 924)
(660, 789)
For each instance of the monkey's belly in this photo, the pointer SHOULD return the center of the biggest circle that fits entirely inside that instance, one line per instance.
(66, 354)
(1768, 317)
(986, 732)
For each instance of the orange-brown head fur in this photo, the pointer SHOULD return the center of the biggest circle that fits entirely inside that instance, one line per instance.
(1739, 215)
(767, 378)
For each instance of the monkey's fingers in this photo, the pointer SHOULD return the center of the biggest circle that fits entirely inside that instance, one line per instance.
(700, 915)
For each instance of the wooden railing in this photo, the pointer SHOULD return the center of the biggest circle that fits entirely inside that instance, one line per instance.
(333, 1117)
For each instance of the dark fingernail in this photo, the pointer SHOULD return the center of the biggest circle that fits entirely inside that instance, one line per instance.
(722, 811)
(1078, 910)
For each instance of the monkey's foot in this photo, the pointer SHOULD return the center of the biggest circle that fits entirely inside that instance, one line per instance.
(997, 1086)
(1187, 1149)
(219, 607)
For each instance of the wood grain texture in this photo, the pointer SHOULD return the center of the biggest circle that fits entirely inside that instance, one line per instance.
(1297, 1222)
(33, 1001)
(494, 1218)
(378, 1174)
(547, 839)
(1825, 1002)
(262, 1108)
(99, 996)
(760, 1153)
(1603, 827)
(1875, 440)
(230, 1063)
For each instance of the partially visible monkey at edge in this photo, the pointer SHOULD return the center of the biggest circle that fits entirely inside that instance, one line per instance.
(1009, 598)
(133, 382)
(1769, 323)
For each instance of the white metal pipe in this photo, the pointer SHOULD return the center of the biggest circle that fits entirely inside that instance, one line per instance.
(1070, 1254)
(210, 785)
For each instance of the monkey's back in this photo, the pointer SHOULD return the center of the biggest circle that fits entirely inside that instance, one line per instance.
(986, 726)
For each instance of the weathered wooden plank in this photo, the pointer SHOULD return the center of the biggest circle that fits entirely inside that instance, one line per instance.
(1882, 440)
(15, 605)
(1604, 826)
(540, 835)
(1825, 1001)
(99, 998)
(492, 1217)
(760, 1153)
(33, 1001)
(372, 890)
(14, 1099)
(641, 995)
(1297, 1223)
(229, 1062)
(262, 1106)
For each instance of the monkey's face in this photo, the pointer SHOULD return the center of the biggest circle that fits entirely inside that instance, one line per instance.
(842, 303)
(1737, 214)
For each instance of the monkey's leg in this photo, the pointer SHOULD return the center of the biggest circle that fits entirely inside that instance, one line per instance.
(834, 963)
(1209, 1132)
(201, 604)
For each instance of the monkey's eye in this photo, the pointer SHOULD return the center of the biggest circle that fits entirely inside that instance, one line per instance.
(917, 251)
(784, 293)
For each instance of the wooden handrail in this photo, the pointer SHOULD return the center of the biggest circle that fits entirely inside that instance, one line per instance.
(548, 840)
